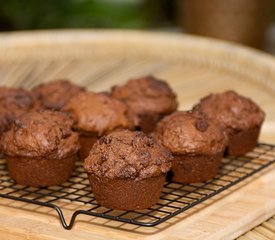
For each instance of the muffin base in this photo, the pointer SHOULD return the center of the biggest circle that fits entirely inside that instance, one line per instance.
(86, 144)
(39, 172)
(193, 169)
(242, 142)
(127, 194)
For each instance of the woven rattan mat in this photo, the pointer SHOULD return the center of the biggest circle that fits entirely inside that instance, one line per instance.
(194, 67)
(264, 231)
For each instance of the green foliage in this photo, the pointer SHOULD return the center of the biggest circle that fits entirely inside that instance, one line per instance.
(39, 14)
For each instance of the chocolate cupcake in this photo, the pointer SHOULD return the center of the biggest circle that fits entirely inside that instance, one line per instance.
(96, 114)
(40, 148)
(196, 143)
(13, 103)
(239, 116)
(54, 95)
(127, 170)
(6, 118)
(16, 99)
(149, 99)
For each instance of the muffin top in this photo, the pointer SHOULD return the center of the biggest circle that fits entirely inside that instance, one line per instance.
(43, 134)
(6, 118)
(126, 154)
(232, 111)
(189, 133)
(146, 95)
(97, 113)
(54, 95)
(17, 100)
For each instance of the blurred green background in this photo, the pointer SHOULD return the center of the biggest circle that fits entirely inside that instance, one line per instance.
(49, 14)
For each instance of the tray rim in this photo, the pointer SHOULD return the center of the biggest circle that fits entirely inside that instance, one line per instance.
(231, 45)
(53, 44)
(52, 38)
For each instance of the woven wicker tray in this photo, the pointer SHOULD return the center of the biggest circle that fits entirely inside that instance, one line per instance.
(194, 67)
(265, 231)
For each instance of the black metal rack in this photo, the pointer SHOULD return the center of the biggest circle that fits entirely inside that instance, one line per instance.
(176, 198)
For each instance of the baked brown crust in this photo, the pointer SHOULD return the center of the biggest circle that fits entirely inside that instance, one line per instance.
(189, 133)
(40, 172)
(43, 134)
(97, 113)
(127, 194)
(17, 98)
(54, 95)
(6, 118)
(146, 96)
(232, 111)
(13, 103)
(127, 155)
(195, 168)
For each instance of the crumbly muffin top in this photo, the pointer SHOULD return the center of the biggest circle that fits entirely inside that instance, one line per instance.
(6, 118)
(189, 133)
(54, 95)
(127, 155)
(231, 110)
(97, 113)
(146, 95)
(17, 100)
(43, 134)
(13, 103)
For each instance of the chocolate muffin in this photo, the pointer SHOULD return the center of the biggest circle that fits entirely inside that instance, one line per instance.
(96, 114)
(196, 143)
(54, 95)
(13, 103)
(239, 116)
(40, 148)
(6, 118)
(127, 170)
(16, 99)
(149, 99)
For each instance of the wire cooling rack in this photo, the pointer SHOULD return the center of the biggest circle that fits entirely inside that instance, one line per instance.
(176, 198)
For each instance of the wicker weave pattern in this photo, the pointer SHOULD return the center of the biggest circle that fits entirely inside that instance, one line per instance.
(265, 231)
(99, 59)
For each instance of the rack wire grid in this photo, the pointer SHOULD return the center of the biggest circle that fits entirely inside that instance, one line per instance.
(175, 198)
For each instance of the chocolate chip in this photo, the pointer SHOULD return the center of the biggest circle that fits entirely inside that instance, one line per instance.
(103, 158)
(128, 172)
(150, 142)
(145, 154)
(101, 140)
(18, 123)
(140, 134)
(201, 125)
(144, 162)
(158, 161)
(104, 140)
